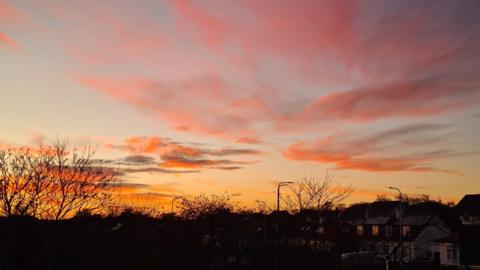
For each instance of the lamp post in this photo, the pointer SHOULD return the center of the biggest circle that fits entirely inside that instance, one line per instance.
(279, 185)
(174, 198)
(401, 225)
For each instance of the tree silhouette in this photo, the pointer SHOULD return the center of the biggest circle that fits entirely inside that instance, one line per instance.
(202, 206)
(50, 182)
(318, 193)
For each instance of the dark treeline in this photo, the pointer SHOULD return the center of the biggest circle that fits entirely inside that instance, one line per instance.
(220, 240)
(208, 235)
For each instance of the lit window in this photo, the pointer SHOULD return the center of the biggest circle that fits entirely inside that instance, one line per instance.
(451, 252)
(388, 230)
(359, 229)
(406, 230)
(375, 230)
(321, 230)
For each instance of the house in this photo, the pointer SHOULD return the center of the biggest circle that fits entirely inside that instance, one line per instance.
(379, 218)
(317, 229)
(383, 223)
(427, 231)
(447, 252)
(468, 209)
(352, 219)
(420, 233)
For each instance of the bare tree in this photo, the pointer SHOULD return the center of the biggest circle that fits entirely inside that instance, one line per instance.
(49, 182)
(315, 193)
(203, 206)
(23, 180)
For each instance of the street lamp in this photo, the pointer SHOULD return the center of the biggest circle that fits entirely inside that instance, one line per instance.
(279, 185)
(401, 224)
(174, 198)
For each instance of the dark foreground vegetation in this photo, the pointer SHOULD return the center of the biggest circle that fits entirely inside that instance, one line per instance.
(136, 241)
(208, 234)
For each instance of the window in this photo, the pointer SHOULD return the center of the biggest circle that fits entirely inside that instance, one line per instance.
(451, 252)
(375, 230)
(359, 229)
(321, 230)
(386, 249)
(388, 230)
(406, 230)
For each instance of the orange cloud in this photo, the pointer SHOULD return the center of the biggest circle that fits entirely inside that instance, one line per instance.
(249, 140)
(177, 155)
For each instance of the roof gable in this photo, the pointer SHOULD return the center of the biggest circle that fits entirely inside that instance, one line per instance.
(469, 205)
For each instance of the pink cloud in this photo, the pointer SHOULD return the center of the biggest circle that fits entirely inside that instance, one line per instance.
(249, 140)
(408, 148)
(8, 15)
(7, 41)
(105, 35)
(207, 105)
(215, 31)
(269, 28)
(406, 61)
(272, 65)
(419, 98)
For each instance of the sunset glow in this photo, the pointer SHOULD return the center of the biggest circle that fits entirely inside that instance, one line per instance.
(188, 97)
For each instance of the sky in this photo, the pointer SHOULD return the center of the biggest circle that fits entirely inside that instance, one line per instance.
(189, 97)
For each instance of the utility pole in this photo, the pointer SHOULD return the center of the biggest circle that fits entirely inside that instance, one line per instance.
(279, 185)
(401, 225)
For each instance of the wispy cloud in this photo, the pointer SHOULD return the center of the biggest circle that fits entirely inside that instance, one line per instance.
(418, 98)
(249, 140)
(407, 148)
(130, 170)
(210, 105)
(361, 62)
(8, 15)
(173, 154)
(139, 159)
